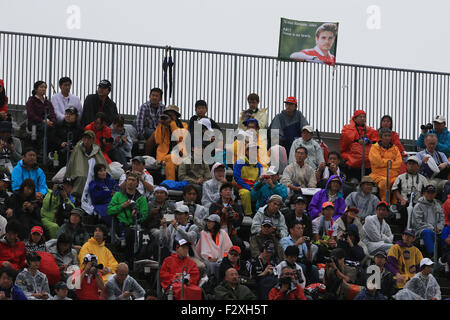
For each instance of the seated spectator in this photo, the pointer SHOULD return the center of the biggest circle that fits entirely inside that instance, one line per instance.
(350, 242)
(12, 250)
(38, 106)
(146, 184)
(377, 234)
(3, 223)
(214, 242)
(233, 260)
(64, 100)
(149, 113)
(96, 246)
(315, 152)
(440, 160)
(231, 289)
(10, 147)
(271, 211)
(27, 168)
(442, 134)
(64, 254)
(288, 123)
(291, 255)
(78, 167)
(194, 173)
(353, 136)
(211, 187)
(380, 154)
(245, 175)
(8, 290)
(122, 286)
(157, 208)
(103, 136)
(333, 193)
(4, 197)
(61, 291)
(75, 228)
(386, 122)
(305, 255)
(387, 282)
(288, 287)
(407, 183)
(427, 218)
(253, 112)
(66, 135)
(230, 213)
(197, 212)
(31, 281)
(36, 240)
(101, 190)
(172, 271)
(423, 286)
(201, 108)
(363, 199)
(324, 230)
(404, 258)
(332, 167)
(299, 175)
(299, 214)
(99, 102)
(349, 217)
(89, 279)
(370, 292)
(26, 207)
(56, 207)
(130, 208)
(267, 232)
(3, 101)
(262, 270)
(266, 186)
(170, 122)
(121, 147)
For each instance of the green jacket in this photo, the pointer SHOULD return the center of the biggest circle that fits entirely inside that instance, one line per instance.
(225, 292)
(124, 215)
(192, 172)
(48, 210)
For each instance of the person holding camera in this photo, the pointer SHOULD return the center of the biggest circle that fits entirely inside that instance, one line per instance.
(291, 255)
(56, 207)
(288, 287)
(267, 232)
(253, 112)
(145, 186)
(122, 286)
(10, 147)
(103, 136)
(349, 241)
(121, 147)
(8, 290)
(157, 208)
(439, 128)
(31, 281)
(89, 280)
(266, 186)
(231, 288)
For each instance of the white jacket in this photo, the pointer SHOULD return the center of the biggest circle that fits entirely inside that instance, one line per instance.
(374, 234)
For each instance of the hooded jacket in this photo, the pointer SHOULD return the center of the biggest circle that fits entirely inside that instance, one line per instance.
(315, 152)
(211, 189)
(104, 256)
(379, 156)
(20, 173)
(375, 234)
(100, 192)
(163, 138)
(366, 204)
(320, 197)
(14, 254)
(351, 150)
(443, 143)
(405, 260)
(425, 214)
(277, 219)
(70, 257)
(99, 134)
(49, 209)
(173, 264)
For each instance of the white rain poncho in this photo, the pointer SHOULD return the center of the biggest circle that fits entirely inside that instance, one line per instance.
(420, 287)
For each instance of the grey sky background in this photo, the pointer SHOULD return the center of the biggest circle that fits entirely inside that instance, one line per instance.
(412, 34)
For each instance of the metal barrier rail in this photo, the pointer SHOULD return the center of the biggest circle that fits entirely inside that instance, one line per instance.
(327, 96)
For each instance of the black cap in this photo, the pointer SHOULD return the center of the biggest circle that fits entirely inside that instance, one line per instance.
(300, 199)
(429, 188)
(33, 256)
(68, 180)
(105, 84)
(269, 246)
(72, 110)
(380, 253)
(409, 232)
(140, 159)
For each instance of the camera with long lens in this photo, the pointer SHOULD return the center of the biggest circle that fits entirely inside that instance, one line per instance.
(330, 260)
(60, 187)
(132, 205)
(98, 266)
(285, 280)
(247, 114)
(230, 213)
(345, 236)
(427, 126)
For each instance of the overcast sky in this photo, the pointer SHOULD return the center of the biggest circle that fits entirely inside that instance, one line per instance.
(409, 34)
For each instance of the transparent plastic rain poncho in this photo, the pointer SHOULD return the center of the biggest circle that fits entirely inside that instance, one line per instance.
(420, 288)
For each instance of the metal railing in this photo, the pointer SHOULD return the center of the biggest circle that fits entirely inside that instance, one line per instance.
(327, 96)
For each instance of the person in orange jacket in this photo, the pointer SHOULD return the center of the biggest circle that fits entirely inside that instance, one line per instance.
(379, 155)
(386, 122)
(351, 142)
(169, 122)
(102, 133)
(288, 287)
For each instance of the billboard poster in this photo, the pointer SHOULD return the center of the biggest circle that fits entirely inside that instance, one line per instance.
(308, 41)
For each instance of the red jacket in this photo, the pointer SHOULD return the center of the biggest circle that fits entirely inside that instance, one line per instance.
(173, 264)
(15, 255)
(297, 294)
(104, 133)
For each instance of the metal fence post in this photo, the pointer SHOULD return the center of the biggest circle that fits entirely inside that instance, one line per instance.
(355, 87)
(112, 71)
(235, 91)
(50, 68)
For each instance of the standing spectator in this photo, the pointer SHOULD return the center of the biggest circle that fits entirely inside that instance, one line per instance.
(382, 152)
(404, 258)
(122, 286)
(353, 136)
(299, 175)
(33, 282)
(442, 134)
(231, 289)
(211, 187)
(253, 112)
(36, 240)
(333, 193)
(315, 151)
(145, 186)
(99, 102)
(325, 232)
(64, 100)
(266, 186)
(121, 147)
(363, 199)
(75, 228)
(377, 234)
(102, 132)
(12, 250)
(149, 113)
(267, 232)
(299, 214)
(288, 287)
(427, 218)
(89, 280)
(3, 101)
(271, 211)
(64, 254)
(201, 108)
(288, 123)
(8, 290)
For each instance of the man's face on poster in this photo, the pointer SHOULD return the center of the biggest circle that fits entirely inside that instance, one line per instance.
(325, 40)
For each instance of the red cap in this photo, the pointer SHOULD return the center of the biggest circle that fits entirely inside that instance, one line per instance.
(356, 210)
(291, 100)
(235, 248)
(358, 113)
(37, 229)
(383, 203)
(327, 204)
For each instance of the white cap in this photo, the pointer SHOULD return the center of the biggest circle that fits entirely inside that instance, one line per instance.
(181, 208)
(426, 262)
(213, 217)
(182, 242)
(161, 188)
(308, 128)
(439, 119)
(413, 158)
(271, 171)
(206, 122)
